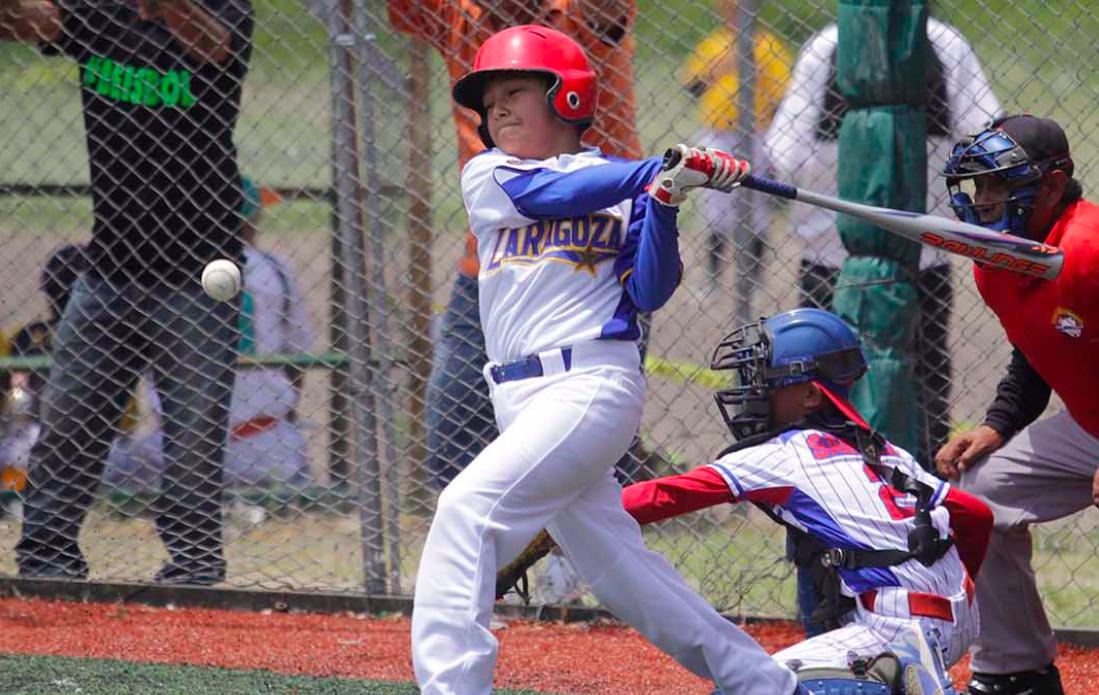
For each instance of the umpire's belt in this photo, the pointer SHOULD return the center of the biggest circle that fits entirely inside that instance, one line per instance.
(592, 353)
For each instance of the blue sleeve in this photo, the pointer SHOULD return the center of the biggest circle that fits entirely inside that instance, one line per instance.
(649, 264)
(541, 194)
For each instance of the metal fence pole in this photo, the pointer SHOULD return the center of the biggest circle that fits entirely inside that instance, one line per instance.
(421, 239)
(349, 203)
(384, 392)
(339, 424)
(746, 201)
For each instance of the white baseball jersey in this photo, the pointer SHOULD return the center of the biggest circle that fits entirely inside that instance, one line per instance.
(822, 485)
(548, 283)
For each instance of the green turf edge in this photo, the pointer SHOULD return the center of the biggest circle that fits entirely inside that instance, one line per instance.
(56, 675)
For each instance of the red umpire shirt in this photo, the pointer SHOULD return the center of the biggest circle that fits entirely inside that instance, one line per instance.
(1055, 323)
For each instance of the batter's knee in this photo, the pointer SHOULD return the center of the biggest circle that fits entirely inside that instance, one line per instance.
(451, 500)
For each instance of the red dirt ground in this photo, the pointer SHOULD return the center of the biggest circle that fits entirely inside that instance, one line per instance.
(565, 658)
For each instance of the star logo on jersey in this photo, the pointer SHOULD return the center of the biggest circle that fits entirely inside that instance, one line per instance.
(1068, 322)
(587, 260)
(584, 242)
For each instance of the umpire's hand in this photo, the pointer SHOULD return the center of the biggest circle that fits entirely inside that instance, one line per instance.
(964, 449)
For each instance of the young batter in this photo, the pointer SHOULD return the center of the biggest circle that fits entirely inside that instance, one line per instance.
(571, 248)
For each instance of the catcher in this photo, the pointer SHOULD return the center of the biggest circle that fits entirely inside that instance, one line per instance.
(892, 549)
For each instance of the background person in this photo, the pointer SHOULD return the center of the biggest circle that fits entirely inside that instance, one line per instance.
(266, 444)
(24, 389)
(160, 90)
(710, 75)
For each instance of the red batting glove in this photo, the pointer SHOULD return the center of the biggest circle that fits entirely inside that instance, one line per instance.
(693, 167)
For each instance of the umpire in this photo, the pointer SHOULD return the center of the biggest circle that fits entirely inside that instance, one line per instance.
(1016, 176)
(160, 89)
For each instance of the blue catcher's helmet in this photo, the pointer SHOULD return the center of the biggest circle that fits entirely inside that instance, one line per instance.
(1019, 150)
(790, 348)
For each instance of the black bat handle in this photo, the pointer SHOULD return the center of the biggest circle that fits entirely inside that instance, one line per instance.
(764, 185)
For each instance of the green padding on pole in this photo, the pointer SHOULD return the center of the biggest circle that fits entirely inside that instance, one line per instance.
(884, 57)
(876, 295)
(879, 293)
(881, 69)
(882, 162)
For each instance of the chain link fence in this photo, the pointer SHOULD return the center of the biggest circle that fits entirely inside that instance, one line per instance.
(338, 438)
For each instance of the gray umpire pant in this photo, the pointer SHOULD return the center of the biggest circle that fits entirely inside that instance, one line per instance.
(1044, 473)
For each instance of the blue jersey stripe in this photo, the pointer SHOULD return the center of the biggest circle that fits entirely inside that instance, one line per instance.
(729, 477)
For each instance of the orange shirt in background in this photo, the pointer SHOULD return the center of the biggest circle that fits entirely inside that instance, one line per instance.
(457, 28)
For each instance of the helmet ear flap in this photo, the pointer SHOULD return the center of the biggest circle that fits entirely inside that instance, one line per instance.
(482, 131)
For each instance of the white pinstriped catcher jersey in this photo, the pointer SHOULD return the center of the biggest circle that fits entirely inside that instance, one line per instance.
(820, 484)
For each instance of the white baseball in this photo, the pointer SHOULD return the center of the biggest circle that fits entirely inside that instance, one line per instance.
(221, 279)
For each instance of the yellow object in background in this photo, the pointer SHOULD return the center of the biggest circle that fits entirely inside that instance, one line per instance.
(710, 72)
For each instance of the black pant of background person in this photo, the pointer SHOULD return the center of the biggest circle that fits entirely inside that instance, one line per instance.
(108, 335)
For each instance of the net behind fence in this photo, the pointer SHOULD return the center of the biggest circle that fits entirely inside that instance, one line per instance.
(358, 391)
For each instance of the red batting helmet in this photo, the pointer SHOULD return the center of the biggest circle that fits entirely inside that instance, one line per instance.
(532, 48)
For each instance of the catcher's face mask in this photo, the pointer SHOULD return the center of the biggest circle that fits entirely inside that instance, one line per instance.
(748, 352)
(745, 404)
(992, 181)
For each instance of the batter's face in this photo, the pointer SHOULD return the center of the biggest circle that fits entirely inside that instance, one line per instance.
(520, 121)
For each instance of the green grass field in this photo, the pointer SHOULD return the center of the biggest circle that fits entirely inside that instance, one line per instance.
(49, 675)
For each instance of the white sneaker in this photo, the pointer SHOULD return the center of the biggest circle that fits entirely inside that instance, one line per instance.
(923, 670)
(556, 582)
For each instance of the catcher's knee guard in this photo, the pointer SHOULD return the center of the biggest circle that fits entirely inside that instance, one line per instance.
(839, 681)
(885, 674)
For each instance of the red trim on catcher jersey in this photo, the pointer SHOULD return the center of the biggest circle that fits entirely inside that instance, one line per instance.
(971, 522)
(844, 406)
(675, 495)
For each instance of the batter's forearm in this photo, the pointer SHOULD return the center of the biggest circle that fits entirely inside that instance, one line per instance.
(657, 268)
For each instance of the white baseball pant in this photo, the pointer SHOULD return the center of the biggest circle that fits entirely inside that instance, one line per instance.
(551, 467)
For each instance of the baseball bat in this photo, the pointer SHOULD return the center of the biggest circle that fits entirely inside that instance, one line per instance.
(953, 236)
